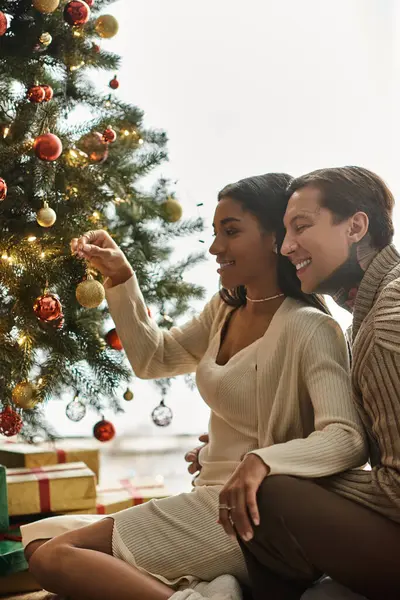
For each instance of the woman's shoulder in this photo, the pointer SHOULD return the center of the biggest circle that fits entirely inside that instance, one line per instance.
(304, 320)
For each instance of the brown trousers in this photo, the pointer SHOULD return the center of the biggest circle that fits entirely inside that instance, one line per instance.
(306, 531)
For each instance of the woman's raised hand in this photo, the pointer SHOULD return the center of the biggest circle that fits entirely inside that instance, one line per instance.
(100, 250)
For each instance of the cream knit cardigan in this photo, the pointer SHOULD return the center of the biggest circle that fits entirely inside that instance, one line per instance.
(307, 423)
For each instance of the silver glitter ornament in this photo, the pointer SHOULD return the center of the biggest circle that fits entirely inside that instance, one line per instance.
(162, 415)
(76, 410)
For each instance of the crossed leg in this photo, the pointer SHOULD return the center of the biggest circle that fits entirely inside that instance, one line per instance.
(79, 564)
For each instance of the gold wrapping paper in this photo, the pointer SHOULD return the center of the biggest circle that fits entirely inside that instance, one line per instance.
(15, 455)
(52, 489)
(113, 500)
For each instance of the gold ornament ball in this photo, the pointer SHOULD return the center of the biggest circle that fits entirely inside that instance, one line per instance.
(24, 395)
(90, 293)
(106, 26)
(46, 216)
(128, 396)
(45, 39)
(46, 6)
(172, 210)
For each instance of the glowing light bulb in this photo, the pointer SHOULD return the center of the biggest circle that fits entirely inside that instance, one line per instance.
(76, 67)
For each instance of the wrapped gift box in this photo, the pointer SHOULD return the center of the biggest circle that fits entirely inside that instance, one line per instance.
(3, 500)
(15, 455)
(115, 499)
(142, 482)
(12, 559)
(53, 489)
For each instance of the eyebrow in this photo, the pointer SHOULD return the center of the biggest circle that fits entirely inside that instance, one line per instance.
(227, 220)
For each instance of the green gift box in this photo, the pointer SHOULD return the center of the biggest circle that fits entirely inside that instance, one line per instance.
(12, 558)
(4, 522)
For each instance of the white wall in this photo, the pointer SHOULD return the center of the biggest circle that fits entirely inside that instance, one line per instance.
(246, 88)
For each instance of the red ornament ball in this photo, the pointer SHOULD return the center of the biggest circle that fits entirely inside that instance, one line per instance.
(109, 135)
(48, 307)
(96, 48)
(3, 189)
(104, 431)
(114, 83)
(3, 23)
(89, 3)
(10, 422)
(76, 12)
(112, 339)
(56, 324)
(47, 147)
(36, 94)
(48, 92)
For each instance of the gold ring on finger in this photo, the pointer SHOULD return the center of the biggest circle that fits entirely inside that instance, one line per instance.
(90, 234)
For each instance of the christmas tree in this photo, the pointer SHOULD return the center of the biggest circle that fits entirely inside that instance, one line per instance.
(60, 176)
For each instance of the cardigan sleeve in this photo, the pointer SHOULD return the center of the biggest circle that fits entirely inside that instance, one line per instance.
(338, 442)
(153, 352)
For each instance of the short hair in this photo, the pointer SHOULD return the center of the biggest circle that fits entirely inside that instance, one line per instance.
(348, 190)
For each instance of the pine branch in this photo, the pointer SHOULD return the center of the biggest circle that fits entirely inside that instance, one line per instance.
(88, 186)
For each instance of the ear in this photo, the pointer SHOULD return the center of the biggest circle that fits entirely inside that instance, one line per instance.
(359, 225)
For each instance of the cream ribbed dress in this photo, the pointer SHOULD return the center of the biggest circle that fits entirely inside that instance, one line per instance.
(180, 535)
(286, 397)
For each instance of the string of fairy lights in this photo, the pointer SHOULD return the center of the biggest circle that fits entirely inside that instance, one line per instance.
(92, 148)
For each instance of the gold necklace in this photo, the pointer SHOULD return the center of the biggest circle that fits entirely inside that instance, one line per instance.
(264, 299)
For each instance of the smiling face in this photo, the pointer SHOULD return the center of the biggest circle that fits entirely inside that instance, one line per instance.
(243, 251)
(314, 242)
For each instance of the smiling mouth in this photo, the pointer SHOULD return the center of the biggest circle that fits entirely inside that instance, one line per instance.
(225, 265)
(302, 266)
